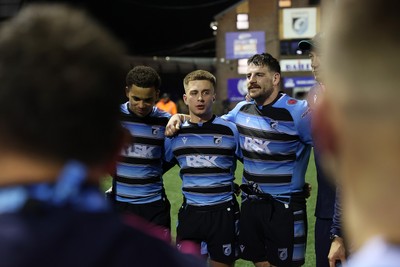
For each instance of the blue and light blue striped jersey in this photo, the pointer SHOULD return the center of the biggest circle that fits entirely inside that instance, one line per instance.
(207, 154)
(276, 143)
(138, 178)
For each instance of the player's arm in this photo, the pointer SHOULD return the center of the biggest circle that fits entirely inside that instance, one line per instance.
(174, 123)
(302, 119)
(168, 158)
(176, 120)
(337, 251)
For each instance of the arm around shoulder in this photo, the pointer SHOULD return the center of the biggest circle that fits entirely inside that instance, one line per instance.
(174, 123)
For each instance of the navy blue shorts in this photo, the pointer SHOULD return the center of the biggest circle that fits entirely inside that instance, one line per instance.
(273, 231)
(213, 228)
(158, 212)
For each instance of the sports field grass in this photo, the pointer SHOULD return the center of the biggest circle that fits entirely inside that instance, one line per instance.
(173, 189)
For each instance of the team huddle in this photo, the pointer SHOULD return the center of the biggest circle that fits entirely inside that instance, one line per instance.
(270, 135)
(63, 129)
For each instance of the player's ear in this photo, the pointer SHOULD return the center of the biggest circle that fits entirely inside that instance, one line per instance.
(276, 78)
(185, 99)
(127, 91)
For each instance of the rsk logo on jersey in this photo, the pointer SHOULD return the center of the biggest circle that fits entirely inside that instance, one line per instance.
(140, 151)
(201, 161)
(256, 145)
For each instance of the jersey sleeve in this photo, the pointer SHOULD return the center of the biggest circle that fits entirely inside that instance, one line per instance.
(168, 156)
(336, 228)
(238, 152)
(231, 115)
(157, 112)
(303, 122)
(167, 165)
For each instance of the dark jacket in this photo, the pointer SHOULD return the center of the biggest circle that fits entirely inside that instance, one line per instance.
(39, 235)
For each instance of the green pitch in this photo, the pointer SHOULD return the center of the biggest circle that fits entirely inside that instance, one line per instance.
(173, 189)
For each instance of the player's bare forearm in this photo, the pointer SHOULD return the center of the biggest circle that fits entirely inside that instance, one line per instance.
(174, 124)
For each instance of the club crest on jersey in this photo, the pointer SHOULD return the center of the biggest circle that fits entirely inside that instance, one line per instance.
(283, 253)
(184, 139)
(227, 248)
(273, 124)
(155, 130)
(217, 140)
(291, 102)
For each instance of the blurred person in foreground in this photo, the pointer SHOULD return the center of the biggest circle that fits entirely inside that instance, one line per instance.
(329, 243)
(166, 104)
(60, 75)
(358, 126)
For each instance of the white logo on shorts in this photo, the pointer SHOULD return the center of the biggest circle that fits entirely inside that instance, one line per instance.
(283, 254)
(241, 248)
(227, 249)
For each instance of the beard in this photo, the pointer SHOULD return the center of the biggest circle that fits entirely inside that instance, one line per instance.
(260, 95)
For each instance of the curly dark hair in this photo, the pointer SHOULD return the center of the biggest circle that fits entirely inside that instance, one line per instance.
(61, 77)
(143, 76)
(265, 59)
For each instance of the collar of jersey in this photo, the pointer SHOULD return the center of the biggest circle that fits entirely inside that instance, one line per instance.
(280, 94)
(68, 190)
(200, 124)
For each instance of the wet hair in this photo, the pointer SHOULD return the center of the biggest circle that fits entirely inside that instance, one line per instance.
(61, 76)
(199, 75)
(143, 76)
(265, 59)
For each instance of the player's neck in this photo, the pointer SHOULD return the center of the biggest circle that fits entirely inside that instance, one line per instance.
(20, 169)
(269, 99)
(200, 119)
